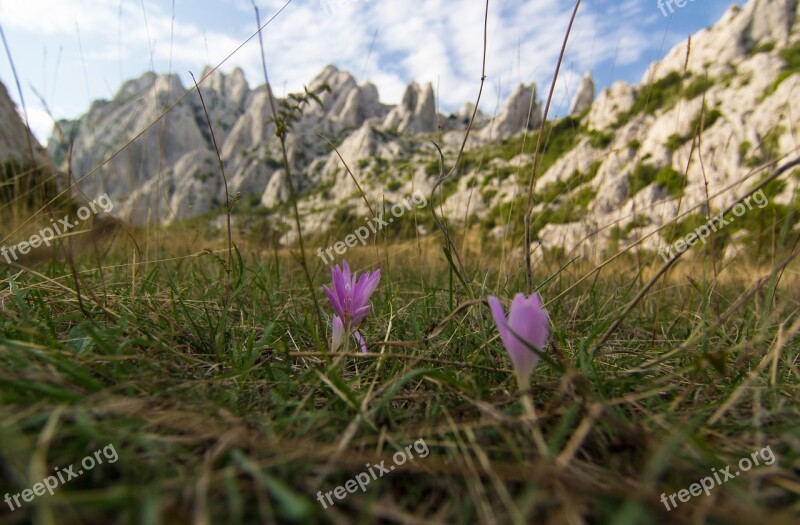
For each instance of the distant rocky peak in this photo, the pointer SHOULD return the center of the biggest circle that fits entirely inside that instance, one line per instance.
(584, 96)
(521, 111)
(416, 112)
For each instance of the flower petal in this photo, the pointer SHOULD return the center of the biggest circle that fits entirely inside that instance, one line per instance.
(499, 319)
(345, 272)
(338, 335)
(365, 288)
(338, 284)
(334, 299)
(360, 340)
(529, 320)
(360, 314)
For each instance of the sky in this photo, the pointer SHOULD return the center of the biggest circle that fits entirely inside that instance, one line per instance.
(68, 53)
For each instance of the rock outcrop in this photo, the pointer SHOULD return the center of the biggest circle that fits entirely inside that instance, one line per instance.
(584, 96)
(17, 143)
(610, 104)
(521, 111)
(738, 32)
(416, 113)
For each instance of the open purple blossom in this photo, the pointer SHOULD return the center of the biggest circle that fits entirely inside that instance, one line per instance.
(349, 297)
(526, 327)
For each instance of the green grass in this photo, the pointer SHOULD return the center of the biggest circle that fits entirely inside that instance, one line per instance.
(559, 137)
(222, 403)
(704, 119)
(599, 140)
(674, 141)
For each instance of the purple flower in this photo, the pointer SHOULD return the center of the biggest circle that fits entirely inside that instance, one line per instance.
(527, 323)
(350, 300)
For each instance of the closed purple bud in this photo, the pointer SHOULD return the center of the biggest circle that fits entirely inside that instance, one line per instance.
(527, 326)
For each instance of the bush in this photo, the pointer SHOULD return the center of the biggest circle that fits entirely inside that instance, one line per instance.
(769, 149)
(561, 187)
(671, 180)
(432, 168)
(661, 94)
(697, 87)
(706, 117)
(791, 57)
(744, 148)
(599, 140)
(763, 47)
(643, 175)
(772, 189)
(674, 142)
(488, 193)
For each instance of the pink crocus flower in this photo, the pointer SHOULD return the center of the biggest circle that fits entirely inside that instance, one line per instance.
(527, 326)
(349, 297)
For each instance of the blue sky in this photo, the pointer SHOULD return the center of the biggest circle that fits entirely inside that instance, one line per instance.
(75, 51)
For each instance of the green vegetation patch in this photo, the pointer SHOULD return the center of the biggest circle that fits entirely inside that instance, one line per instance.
(561, 187)
(671, 180)
(768, 150)
(697, 87)
(643, 175)
(763, 47)
(791, 59)
(661, 94)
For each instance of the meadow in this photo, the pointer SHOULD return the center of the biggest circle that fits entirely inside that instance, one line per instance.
(190, 374)
(215, 386)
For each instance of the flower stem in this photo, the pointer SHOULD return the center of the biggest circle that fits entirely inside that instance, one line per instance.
(530, 412)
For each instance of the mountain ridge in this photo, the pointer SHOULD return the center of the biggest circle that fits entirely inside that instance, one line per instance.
(614, 166)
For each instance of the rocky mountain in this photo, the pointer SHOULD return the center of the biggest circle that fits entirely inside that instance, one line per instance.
(27, 177)
(692, 133)
(170, 171)
(17, 143)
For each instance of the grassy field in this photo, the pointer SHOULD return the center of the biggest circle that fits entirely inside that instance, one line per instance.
(212, 390)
